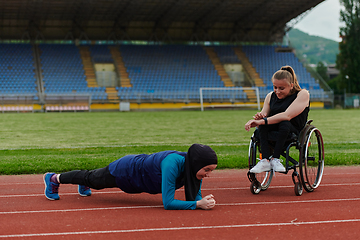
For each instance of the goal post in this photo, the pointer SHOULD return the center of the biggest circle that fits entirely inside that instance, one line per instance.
(235, 95)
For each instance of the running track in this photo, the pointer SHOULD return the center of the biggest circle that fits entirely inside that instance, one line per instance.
(330, 212)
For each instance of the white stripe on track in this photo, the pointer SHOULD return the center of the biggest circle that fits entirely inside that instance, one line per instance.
(62, 194)
(212, 177)
(290, 202)
(180, 190)
(161, 206)
(292, 223)
(80, 209)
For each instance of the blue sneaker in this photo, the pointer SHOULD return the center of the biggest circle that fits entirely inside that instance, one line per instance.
(84, 191)
(51, 188)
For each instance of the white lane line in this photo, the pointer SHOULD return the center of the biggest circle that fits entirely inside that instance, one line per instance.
(290, 202)
(161, 206)
(180, 190)
(80, 209)
(212, 176)
(62, 194)
(292, 223)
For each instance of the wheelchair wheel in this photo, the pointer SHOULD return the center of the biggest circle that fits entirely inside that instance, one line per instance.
(298, 189)
(264, 178)
(255, 187)
(312, 159)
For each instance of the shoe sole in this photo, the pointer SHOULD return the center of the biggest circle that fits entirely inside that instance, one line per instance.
(282, 170)
(83, 195)
(261, 171)
(52, 199)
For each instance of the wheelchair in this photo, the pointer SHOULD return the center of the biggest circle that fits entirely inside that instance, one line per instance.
(307, 173)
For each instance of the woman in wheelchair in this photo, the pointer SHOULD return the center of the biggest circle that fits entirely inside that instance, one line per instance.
(285, 110)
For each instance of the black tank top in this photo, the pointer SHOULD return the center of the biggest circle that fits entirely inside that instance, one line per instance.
(280, 105)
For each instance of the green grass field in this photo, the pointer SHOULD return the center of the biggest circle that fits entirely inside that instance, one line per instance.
(41, 142)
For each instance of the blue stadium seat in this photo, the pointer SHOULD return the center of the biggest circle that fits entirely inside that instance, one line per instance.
(17, 69)
(171, 68)
(100, 54)
(63, 70)
(226, 54)
(267, 61)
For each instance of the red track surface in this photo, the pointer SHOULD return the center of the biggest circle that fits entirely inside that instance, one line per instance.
(330, 212)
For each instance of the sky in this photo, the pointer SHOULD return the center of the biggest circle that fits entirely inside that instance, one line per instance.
(323, 20)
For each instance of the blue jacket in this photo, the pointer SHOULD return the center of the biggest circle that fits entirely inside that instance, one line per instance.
(156, 173)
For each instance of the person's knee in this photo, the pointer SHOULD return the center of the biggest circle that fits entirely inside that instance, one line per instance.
(101, 178)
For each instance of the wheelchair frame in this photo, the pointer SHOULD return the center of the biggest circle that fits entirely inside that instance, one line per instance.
(310, 144)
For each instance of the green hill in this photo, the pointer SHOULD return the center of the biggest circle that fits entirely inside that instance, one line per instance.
(314, 49)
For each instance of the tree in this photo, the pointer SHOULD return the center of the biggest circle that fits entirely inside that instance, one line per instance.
(321, 69)
(334, 85)
(348, 59)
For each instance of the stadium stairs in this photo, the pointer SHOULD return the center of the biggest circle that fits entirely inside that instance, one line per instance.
(112, 94)
(90, 75)
(120, 67)
(219, 67)
(249, 68)
(251, 72)
(88, 66)
(100, 54)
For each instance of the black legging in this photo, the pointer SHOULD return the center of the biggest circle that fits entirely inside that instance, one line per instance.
(283, 128)
(96, 179)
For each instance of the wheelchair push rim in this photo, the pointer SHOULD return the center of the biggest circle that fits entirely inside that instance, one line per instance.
(312, 164)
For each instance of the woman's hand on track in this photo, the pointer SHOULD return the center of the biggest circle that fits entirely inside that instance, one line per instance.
(207, 202)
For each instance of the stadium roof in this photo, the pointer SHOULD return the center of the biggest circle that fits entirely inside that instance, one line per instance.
(151, 20)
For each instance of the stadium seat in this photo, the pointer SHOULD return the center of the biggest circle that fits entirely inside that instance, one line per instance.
(169, 68)
(17, 71)
(63, 71)
(267, 61)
